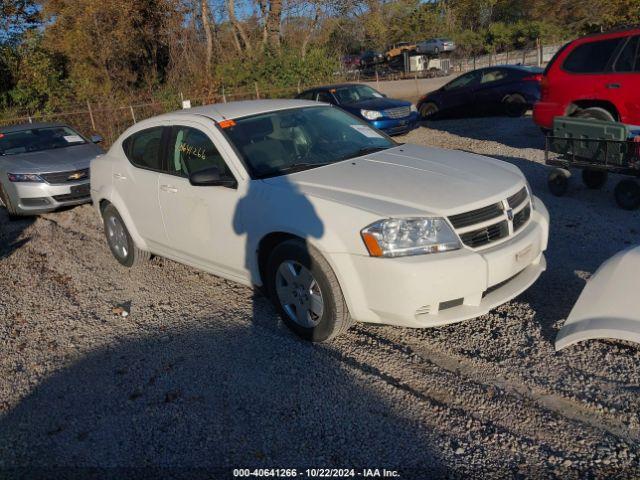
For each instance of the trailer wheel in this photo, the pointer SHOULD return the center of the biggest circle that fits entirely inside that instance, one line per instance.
(594, 179)
(558, 181)
(627, 194)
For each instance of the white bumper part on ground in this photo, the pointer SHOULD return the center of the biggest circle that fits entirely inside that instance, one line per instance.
(439, 289)
(609, 306)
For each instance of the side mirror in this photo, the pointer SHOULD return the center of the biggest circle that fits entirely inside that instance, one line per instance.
(210, 177)
(96, 139)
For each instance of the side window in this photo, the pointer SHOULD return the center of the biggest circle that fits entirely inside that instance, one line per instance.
(493, 76)
(465, 80)
(628, 58)
(592, 57)
(144, 149)
(307, 95)
(325, 97)
(192, 150)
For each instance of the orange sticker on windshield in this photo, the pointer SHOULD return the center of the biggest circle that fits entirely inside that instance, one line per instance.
(227, 123)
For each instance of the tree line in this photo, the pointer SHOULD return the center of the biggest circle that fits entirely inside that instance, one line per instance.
(60, 52)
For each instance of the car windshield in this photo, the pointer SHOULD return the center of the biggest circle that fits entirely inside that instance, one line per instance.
(37, 139)
(287, 141)
(356, 93)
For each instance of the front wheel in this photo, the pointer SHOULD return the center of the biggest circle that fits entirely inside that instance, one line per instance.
(306, 292)
(558, 181)
(428, 110)
(119, 240)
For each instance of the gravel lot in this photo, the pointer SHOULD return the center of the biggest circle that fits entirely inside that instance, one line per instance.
(202, 375)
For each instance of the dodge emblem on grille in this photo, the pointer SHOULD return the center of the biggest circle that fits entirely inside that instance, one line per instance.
(510, 214)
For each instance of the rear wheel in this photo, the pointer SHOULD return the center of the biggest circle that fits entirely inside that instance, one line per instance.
(627, 194)
(597, 113)
(594, 179)
(515, 105)
(306, 292)
(120, 241)
(558, 181)
(428, 110)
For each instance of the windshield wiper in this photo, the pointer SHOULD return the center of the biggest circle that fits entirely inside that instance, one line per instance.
(293, 168)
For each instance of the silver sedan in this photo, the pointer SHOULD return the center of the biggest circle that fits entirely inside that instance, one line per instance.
(435, 46)
(44, 166)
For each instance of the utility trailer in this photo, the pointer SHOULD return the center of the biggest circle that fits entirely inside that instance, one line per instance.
(597, 148)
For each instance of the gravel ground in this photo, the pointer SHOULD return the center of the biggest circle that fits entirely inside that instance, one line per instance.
(202, 377)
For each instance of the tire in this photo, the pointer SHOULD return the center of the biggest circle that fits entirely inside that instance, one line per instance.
(596, 113)
(428, 110)
(627, 194)
(11, 209)
(120, 241)
(558, 181)
(514, 105)
(594, 179)
(288, 270)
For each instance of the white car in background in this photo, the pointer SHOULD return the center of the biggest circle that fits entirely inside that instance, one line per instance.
(332, 218)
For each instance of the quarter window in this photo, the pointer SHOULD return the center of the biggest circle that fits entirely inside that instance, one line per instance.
(192, 150)
(628, 58)
(144, 149)
(493, 76)
(592, 57)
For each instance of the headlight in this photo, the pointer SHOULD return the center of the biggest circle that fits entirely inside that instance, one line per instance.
(24, 177)
(397, 237)
(370, 114)
(414, 108)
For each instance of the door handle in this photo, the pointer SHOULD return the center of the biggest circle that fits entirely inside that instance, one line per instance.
(168, 188)
(119, 176)
(612, 85)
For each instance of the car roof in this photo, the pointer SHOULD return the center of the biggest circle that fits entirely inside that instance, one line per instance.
(335, 85)
(28, 126)
(233, 110)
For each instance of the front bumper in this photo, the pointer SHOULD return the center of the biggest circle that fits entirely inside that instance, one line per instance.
(31, 198)
(398, 126)
(439, 289)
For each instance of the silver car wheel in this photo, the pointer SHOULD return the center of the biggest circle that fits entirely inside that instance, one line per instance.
(299, 294)
(117, 236)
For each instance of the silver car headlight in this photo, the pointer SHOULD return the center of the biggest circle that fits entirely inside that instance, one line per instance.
(414, 108)
(371, 114)
(24, 177)
(398, 237)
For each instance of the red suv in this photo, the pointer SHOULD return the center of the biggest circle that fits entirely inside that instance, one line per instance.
(596, 76)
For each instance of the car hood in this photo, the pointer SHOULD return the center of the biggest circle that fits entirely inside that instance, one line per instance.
(410, 180)
(74, 157)
(376, 104)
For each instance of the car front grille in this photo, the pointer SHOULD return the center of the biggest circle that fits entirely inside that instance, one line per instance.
(400, 112)
(510, 216)
(477, 216)
(58, 178)
(69, 197)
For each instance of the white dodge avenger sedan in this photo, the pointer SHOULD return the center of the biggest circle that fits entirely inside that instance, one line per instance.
(331, 218)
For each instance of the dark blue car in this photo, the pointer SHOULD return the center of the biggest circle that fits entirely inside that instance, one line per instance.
(505, 89)
(394, 117)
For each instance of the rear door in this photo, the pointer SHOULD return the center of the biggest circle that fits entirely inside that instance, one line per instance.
(492, 88)
(137, 182)
(622, 87)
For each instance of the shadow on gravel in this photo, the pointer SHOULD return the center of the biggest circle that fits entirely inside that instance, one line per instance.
(197, 404)
(493, 129)
(11, 233)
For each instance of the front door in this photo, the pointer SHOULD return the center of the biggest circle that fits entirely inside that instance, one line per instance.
(199, 220)
(622, 85)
